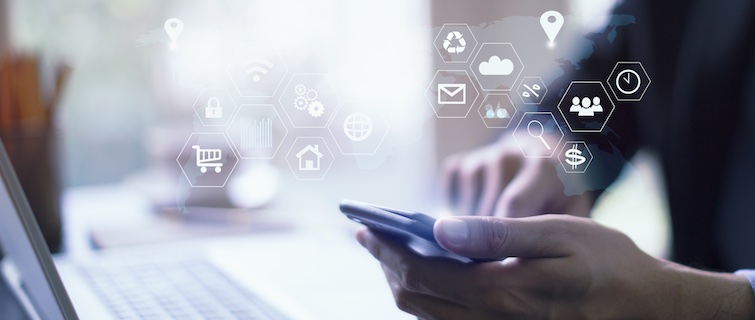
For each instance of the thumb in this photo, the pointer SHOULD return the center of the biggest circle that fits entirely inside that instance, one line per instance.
(498, 238)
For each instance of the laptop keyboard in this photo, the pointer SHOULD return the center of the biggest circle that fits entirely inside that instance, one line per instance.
(174, 289)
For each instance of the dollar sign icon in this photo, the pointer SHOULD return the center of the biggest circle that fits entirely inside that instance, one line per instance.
(574, 157)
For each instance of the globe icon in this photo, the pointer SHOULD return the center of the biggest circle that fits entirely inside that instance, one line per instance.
(357, 126)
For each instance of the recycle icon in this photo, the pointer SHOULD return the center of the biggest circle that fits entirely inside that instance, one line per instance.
(454, 35)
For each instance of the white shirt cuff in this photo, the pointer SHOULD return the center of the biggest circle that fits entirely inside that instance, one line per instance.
(750, 275)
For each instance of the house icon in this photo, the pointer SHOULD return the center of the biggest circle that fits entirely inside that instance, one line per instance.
(309, 158)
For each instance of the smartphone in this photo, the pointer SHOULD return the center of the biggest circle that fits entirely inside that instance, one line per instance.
(414, 229)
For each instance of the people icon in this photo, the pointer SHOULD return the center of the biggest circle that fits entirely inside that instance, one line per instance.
(596, 107)
(586, 107)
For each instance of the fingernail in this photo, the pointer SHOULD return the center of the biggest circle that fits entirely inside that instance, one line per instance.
(454, 231)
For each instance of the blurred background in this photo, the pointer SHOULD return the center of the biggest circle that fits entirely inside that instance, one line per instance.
(128, 105)
(127, 111)
(122, 89)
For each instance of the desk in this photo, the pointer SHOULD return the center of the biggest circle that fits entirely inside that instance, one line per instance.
(318, 266)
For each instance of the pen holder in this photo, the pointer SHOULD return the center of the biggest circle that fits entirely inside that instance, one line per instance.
(27, 132)
(33, 156)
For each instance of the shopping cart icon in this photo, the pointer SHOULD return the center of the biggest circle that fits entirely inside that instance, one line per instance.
(208, 158)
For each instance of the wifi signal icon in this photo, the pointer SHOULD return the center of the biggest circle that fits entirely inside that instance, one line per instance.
(256, 68)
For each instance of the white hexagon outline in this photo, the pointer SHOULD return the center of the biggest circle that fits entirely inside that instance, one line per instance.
(471, 104)
(238, 110)
(288, 86)
(516, 80)
(236, 55)
(567, 119)
(482, 103)
(207, 133)
(387, 125)
(566, 143)
(553, 150)
(194, 106)
(611, 75)
(541, 98)
(440, 32)
(326, 170)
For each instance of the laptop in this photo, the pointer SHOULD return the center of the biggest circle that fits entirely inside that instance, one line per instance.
(156, 285)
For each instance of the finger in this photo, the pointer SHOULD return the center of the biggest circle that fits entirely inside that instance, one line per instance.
(429, 307)
(530, 192)
(470, 183)
(497, 238)
(499, 174)
(438, 277)
(423, 306)
(493, 185)
(579, 205)
(449, 180)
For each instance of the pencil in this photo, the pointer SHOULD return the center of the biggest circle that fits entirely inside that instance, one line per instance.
(33, 112)
(62, 72)
(5, 92)
(16, 83)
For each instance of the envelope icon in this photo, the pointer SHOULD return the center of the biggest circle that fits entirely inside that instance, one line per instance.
(452, 93)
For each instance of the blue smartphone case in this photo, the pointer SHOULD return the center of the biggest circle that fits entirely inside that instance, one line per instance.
(412, 228)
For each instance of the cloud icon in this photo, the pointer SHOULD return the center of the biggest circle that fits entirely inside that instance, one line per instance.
(496, 67)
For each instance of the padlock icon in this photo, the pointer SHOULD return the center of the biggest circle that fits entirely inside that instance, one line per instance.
(213, 110)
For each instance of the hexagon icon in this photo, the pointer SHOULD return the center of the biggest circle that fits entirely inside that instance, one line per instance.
(358, 128)
(455, 42)
(257, 131)
(207, 160)
(532, 90)
(497, 110)
(309, 100)
(497, 66)
(257, 70)
(575, 157)
(309, 158)
(538, 134)
(628, 81)
(451, 93)
(586, 106)
(214, 106)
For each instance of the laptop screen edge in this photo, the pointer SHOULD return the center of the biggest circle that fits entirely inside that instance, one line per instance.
(20, 207)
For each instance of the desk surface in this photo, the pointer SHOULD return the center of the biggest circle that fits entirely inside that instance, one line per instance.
(318, 266)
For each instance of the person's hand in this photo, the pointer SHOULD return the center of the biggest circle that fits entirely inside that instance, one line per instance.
(559, 267)
(497, 180)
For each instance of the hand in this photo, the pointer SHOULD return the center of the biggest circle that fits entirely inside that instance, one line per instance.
(559, 267)
(498, 180)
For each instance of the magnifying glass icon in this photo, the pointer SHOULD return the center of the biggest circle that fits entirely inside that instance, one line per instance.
(537, 123)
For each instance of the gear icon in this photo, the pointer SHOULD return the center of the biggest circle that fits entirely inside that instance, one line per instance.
(312, 94)
(300, 89)
(316, 109)
(300, 103)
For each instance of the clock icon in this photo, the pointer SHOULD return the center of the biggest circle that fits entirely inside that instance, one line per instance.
(628, 81)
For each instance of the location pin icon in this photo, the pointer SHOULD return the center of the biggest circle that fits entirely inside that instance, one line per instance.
(173, 28)
(552, 21)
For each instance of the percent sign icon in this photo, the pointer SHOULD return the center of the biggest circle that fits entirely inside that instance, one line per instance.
(535, 89)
